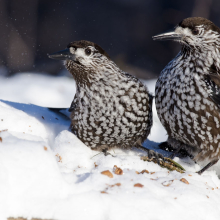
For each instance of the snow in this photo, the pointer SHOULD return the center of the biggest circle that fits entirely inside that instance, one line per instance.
(46, 172)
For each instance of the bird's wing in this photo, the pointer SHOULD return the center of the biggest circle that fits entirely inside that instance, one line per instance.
(212, 82)
(73, 105)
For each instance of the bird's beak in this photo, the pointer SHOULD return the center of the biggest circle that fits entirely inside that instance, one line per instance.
(62, 55)
(170, 35)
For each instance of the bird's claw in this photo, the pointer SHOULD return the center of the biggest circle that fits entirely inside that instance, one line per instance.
(106, 153)
(152, 154)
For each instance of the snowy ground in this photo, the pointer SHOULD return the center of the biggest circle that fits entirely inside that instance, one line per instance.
(46, 172)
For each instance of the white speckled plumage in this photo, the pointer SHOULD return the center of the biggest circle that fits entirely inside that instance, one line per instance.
(187, 90)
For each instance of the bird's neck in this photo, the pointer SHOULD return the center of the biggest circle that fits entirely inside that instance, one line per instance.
(101, 86)
(202, 58)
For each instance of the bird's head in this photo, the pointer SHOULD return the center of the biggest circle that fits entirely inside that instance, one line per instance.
(82, 58)
(195, 33)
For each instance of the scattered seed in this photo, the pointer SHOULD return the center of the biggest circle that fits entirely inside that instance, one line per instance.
(117, 184)
(59, 157)
(138, 185)
(117, 170)
(167, 183)
(144, 171)
(184, 181)
(107, 173)
(95, 164)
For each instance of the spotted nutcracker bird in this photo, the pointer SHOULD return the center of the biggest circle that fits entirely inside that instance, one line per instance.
(111, 108)
(188, 90)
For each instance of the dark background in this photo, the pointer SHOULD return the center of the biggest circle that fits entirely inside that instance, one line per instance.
(29, 29)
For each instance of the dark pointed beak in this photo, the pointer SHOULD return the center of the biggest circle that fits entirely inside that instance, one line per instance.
(171, 35)
(62, 55)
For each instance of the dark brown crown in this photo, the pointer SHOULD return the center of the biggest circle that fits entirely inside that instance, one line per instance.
(85, 43)
(192, 22)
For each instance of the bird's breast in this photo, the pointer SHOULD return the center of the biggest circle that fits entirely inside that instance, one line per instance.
(185, 109)
(107, 115)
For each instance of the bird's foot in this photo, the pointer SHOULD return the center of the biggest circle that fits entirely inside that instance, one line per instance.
(207, 166)
(176, 147)
(176, 151)
(152, 154)
(106, 153)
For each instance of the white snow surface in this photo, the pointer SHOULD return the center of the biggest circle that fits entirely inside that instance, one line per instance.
(46, 172)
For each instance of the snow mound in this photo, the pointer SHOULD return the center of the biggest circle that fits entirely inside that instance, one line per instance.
(46, 172)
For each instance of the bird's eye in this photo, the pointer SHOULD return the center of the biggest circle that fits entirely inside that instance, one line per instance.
(195, 31)
(87, 51)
